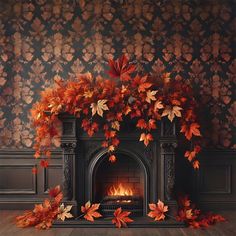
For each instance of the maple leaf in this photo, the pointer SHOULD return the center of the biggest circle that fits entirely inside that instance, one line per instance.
(158, 105)
(151, 124)
(112, 158)
(190, 155)
(99, 107)
(44, 163)
(171, 112)
(191, 130)
(64, 212)
(146, 138)
(157, 211)
(151, 96)
(53, 192)
(34, 170)
(121, 68)
(115, 125)
(90, 211)
(141, 124)
(143, 87)
(196, 164)
(121, 218)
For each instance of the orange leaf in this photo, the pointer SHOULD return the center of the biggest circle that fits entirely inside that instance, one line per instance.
(191, 130)
(143, 87)
(157, 211)
(34, 170)
(90, 211)
(112, 158)
(121, 218)
(196, 164)
(190, 155)
(151, 96)
(146, 138)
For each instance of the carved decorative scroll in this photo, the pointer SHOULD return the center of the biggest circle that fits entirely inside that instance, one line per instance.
(68, 157)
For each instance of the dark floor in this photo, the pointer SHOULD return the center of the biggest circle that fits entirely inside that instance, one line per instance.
(8, 228)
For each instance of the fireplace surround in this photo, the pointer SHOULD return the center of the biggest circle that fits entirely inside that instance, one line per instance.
(145, 173)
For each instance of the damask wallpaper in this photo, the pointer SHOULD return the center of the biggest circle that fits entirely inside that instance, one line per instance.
(44, 39)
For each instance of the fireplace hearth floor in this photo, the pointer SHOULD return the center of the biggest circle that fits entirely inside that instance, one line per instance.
(139, 222)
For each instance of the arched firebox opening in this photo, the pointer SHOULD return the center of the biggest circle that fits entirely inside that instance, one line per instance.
(120, 184)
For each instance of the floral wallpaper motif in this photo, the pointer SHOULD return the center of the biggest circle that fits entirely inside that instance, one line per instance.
(41, 40)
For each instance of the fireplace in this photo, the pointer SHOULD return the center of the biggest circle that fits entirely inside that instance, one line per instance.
(141, 175)
(119, 184)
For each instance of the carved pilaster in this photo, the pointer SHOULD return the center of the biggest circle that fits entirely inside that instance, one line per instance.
(68, 160)
(167, 151)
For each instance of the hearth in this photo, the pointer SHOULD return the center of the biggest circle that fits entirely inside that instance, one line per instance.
(141, 175)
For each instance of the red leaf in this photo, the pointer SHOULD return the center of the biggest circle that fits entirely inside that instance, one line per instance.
(157, 211)
(121, 218)
(90, 211)
(44, 163)
(188, 131)
(121, 68)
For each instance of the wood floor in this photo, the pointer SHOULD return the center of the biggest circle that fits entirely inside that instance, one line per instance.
(8, 228)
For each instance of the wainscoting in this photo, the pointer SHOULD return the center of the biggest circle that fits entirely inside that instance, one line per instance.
(214, 185)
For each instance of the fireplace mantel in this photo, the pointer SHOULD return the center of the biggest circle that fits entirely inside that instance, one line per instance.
(158, 159)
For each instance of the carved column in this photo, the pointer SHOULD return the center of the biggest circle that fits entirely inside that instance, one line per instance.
(168, 144)
(68, 167)
(168, 154)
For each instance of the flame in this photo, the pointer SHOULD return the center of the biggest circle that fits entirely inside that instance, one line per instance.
(119, 190)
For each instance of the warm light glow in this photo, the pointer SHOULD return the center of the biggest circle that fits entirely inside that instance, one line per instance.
(119, 190)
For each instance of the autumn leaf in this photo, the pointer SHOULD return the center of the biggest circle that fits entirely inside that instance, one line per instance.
(157, 211)
(64, 212)
(158, 105)
(99, 107)
(171, 112)
(143, 87)
(151, 96)
(44, 163)
(190, 155)
(146, 138)
(34, 170)
(121, 218)
(90, 211)
(196, 164)
(112, 158)
(191, 130)
(141, 124)
(121, 68)
(115, 125)
(53, 192)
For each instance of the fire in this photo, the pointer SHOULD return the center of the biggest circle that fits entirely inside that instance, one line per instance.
(119, 190)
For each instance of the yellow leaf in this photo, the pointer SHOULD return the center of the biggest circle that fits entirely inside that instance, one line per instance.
(99, 107)
(158, 105)
(115, 125)
(64, 212)
(151, 96)
(171, 112)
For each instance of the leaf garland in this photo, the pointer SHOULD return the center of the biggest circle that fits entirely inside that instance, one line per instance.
(102, 104)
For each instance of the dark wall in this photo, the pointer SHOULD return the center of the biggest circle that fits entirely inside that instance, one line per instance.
(41, 40)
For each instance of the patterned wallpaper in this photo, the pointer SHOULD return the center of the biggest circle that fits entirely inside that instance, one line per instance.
(43, 39)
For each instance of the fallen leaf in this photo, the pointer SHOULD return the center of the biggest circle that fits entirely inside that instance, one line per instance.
(64, 212)
(90, 211)
(157, 211)
(121, 218)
